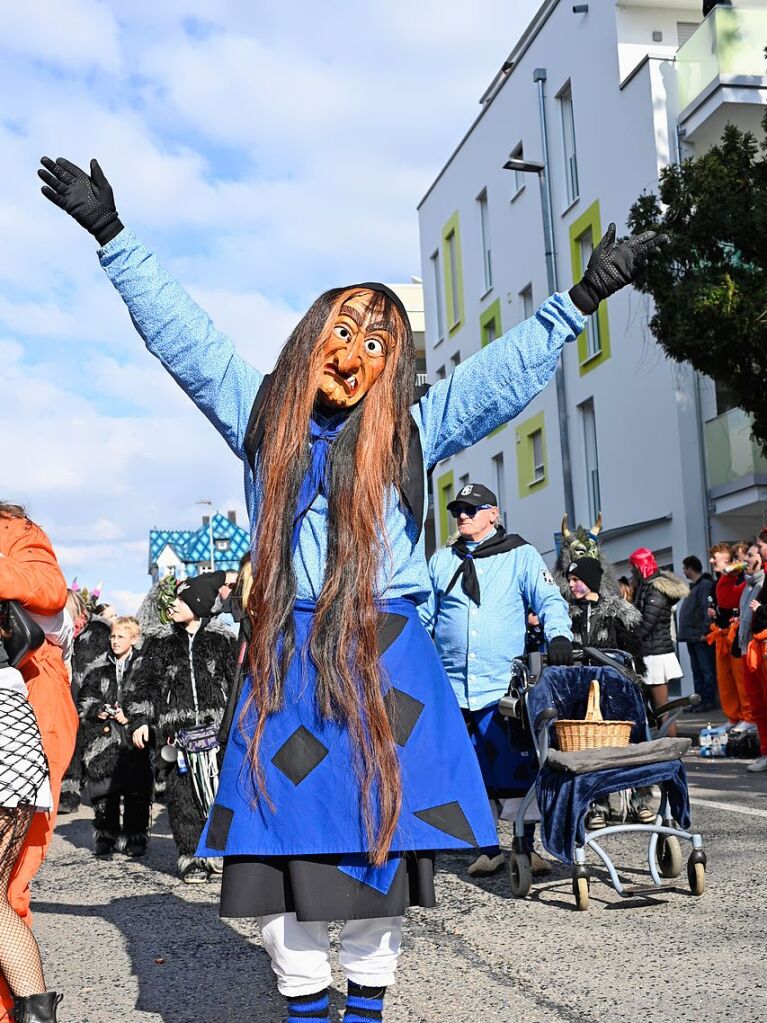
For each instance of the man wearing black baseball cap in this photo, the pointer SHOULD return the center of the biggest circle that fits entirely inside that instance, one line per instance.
(483, 586)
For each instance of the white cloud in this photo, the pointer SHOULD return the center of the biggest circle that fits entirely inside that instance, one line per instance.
(265, 152)
(79, 35)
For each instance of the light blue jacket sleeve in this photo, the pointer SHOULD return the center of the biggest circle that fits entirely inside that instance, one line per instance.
(543, 598)
(427, 611)
(182, 336)
(495, 384)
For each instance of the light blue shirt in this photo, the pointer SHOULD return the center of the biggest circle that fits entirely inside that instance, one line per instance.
(485, 391)
(478, 644)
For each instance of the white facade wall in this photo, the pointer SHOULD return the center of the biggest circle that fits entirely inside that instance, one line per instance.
(646, 425)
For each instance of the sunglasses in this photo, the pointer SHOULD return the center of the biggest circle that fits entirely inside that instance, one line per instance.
(468, 509)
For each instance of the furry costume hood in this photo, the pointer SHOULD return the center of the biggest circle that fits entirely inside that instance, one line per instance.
(669, 585)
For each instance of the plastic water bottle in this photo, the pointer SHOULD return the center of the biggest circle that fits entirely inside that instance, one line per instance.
(705, 738)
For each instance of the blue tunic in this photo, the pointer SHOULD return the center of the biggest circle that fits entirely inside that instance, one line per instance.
(308, 761)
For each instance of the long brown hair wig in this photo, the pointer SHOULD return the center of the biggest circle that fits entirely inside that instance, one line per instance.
(367, 464)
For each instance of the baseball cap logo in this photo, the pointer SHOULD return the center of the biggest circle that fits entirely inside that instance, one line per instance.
(467, 490)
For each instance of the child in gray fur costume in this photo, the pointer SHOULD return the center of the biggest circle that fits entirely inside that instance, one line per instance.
(183, 680)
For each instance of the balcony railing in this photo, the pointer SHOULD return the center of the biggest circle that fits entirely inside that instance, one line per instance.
(728, 43)
(731, 452)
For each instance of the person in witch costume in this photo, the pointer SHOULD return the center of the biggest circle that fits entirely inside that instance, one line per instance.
(348, 762)
(482, 588)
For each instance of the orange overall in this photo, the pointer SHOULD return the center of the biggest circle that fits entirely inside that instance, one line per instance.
(730, 679)
(30, 574)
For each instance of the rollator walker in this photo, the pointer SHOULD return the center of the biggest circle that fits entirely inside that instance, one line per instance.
(568, 783)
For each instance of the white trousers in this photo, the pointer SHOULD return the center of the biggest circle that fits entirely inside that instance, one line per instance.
(300, 952)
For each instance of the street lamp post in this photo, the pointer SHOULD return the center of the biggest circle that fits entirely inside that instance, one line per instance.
(534, 167)
(210, 531)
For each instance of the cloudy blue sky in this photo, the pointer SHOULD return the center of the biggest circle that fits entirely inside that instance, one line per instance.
(266, 151)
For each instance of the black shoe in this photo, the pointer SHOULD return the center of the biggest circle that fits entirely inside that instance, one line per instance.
(135, 848)
(36, 1008)
(69, 802)
(104, 847)
(194, 874)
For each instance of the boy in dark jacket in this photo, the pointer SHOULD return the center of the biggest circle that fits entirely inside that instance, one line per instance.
(183, 681)
(693, 626)
(114, 768)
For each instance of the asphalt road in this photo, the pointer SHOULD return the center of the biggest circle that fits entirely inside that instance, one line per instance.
(126, 941)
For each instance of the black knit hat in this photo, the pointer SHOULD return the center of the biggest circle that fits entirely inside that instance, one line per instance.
(589, 571)
(201, 593)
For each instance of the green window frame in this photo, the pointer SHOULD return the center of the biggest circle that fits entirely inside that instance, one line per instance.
(452, 263)
(589, 221)
(445, 485)
(527, 484)
(490, 315)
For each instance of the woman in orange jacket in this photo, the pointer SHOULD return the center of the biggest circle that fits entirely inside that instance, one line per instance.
(30, 574)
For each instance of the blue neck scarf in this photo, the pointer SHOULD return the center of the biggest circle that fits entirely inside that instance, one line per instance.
(323, 430)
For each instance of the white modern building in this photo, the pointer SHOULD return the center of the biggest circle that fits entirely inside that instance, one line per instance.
(625, 87)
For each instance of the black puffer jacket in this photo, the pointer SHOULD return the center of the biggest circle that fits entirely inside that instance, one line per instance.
(164, 688)
(655, 599)
(610, 623)
(111, 761)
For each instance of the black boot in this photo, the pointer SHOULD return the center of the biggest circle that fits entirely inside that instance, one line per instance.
(36, 1008)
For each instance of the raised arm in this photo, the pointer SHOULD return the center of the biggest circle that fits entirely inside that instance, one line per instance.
(176, 330)
(498, 382)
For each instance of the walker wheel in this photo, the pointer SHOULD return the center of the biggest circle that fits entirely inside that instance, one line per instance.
(696, 875)
(669, 856)
(581, 892)
(520, 874)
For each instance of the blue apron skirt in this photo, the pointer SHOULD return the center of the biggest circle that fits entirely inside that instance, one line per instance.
(505, 752)
(308, 854)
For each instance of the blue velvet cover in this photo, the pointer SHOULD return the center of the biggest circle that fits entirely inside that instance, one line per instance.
(444, 800)
(564, 798)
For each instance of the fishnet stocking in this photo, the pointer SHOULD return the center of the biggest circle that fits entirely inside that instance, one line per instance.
(19, 955)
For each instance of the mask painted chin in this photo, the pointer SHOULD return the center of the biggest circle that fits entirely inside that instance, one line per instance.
(341, 390)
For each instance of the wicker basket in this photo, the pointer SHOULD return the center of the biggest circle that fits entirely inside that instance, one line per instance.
(593, 732)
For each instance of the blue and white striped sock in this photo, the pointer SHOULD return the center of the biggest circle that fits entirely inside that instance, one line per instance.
(364, 1004)
(309, 1008)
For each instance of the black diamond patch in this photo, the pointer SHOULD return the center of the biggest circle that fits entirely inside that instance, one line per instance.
(389, 628)
(450, 819)
(491, 751)
(403, 712)
(299, 755)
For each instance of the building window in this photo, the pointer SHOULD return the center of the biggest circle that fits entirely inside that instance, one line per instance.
(439, 319)
(441, 373)
(500, 485)
(568, 139)
(451, 251)
(484, 228)
(223, 545)
(594, 341)
(684, 29)
(455, 361)
(526, 300)
(490, 323)
(592, 458)
(531, 455)
(452, 257)
(539, 458)
(444, 497)
(463, 481)
(593, 338)
(518, 153)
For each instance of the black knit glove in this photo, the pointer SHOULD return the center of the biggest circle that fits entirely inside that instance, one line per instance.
(88, 199)
(559, 652)
(612, 267)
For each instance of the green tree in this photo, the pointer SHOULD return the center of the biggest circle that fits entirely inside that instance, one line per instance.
(710, 283)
